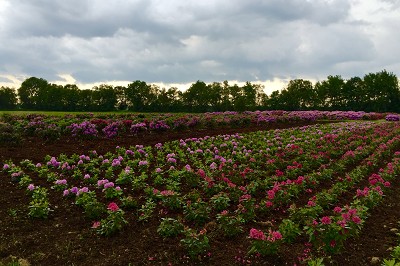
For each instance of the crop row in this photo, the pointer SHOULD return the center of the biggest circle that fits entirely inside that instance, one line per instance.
(296, 179)
(13, 127)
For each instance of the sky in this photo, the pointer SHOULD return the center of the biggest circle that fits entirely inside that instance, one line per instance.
(177, 42)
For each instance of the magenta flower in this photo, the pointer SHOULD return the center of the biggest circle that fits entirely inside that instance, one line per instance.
(66, 192)
(269, 204)
(337, 209)
(326, 220)
(257, 234)
(311, 203)
(356, 219)
(113, 207)
(274, 235)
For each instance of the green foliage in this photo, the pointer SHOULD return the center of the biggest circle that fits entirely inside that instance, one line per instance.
(39, 205)
(170, 227)
(195, 243)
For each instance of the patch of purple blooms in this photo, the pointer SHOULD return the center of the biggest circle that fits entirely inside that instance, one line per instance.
(158, 125)
(111, 130)
(392, 117)
(136, 128)
(85, 128)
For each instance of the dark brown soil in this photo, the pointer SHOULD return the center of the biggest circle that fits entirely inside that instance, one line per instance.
(66, 239)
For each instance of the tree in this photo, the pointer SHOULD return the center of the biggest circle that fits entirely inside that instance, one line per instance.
(298, 95)
(8, 98)
(104, 98)
(382, 90)
(197, 98)
(140, 96)
(354, 94)
(29, 92)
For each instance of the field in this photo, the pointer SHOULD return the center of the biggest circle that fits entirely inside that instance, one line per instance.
(253, 188)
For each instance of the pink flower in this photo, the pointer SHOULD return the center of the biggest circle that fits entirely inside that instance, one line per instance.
(87, 176)
(113, 207)
(356, 219)
(257, 234)
(326, 220)
(311, 203)
(275, 235)
(31, 187)
(269, 204)
(95, 225)
(337, 209)
(271, 194)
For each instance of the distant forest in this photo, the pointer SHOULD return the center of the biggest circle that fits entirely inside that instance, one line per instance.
(375, 92)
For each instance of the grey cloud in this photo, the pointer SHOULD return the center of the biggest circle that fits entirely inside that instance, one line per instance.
(182, 41)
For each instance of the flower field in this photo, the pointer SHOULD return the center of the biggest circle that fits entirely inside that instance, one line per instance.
(306, 194)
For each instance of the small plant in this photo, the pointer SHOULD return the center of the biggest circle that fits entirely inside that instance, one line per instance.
(39, 206)
(290, 230)
(92, 208)
(197, 211)
(170, 227)
(220, 201)
(146, 211)
(129, 202)
(195, 243)
(231, 225)
(113, 223)
(264, 244)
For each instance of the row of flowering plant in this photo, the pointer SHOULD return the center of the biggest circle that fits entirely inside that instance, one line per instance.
(227, 184)
(112, 125)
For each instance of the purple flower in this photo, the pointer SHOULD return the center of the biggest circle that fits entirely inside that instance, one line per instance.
(66, 192)
(61, 182)
(5, 166)
(31, 187)
(108, 185)
(74, 190)
(141, 163)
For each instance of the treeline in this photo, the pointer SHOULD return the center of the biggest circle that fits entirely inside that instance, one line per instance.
(375, 92)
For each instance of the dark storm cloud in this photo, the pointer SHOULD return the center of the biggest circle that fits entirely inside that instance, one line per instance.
(184, 41)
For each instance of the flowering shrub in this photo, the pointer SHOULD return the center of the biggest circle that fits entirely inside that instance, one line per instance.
(113, 223)
(195, 243)
(39, 205)
(84, 129)
(170, 227)
(392, 117)
(264, 244)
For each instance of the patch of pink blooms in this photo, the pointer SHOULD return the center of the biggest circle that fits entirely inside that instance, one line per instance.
(113, 207)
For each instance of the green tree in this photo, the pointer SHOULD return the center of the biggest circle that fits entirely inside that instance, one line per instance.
(354, 94)
(104, 98)
(382, 91)
(298, 95)
(8, 98)
(141, 96)
(29, 92)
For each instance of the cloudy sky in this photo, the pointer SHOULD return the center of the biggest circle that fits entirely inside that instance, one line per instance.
(180, 41)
